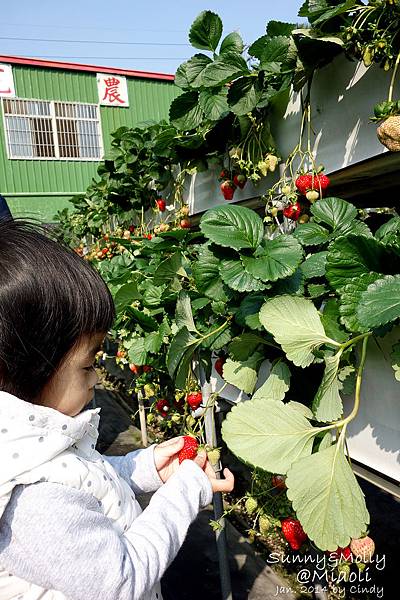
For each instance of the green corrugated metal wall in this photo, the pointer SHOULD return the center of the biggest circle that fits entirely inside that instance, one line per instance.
(148, 100)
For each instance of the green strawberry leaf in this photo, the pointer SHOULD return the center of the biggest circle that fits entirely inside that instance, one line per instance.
(242, 375)
(311, 234)
(380, 302)
(183, 312)
(316, 290)
(188, 74)
(276, 385)
(327, 405)
(353, 256)
(275, 259)
(206, 31)
(180, 352)
(225, 68)
(296, 325)
(137, 353)
(233, 227)
(232, 43)
(271, 436)
(169, 268)
(330, 320)
(214, 103)
(146, 322)
(206, 275)
(350, 296)
(234, 275)
(243, 346)
(314, 265)
(243, 95)
(247, 315)
(327, 498)
(126, 294)
(334, 212)
(185, 112)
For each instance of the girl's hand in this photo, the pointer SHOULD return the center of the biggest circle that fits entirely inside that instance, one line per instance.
(167, 462)
(218, 485)
(166, 457)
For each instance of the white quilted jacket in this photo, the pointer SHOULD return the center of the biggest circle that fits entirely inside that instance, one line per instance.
(41, 444)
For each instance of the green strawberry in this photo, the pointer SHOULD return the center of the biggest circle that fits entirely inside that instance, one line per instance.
(251, 505)
(264, 524)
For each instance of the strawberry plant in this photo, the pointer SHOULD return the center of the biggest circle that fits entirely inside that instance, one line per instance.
(360, 289)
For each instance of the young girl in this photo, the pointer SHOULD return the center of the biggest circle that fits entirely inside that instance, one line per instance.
(70, 526)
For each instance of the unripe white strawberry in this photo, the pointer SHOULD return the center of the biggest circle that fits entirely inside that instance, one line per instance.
(286, 189)
(272, 161)
(363, 547)
(312, 196)
(214, 455)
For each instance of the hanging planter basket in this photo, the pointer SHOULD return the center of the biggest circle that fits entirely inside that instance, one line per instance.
(388, 133)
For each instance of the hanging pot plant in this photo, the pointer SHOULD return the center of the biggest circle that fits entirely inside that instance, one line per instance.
(388, 113)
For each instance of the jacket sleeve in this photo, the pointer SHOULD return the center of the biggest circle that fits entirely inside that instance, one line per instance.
(93, 561)
(138, 469)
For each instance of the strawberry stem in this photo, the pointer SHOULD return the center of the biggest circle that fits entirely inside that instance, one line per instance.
(392, 80)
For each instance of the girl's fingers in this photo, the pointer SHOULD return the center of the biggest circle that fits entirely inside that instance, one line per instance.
(171, 447)
(175, 440)
(224, 485)
(201, 459)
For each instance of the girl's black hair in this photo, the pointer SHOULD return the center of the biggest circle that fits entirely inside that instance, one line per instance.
(49, 298)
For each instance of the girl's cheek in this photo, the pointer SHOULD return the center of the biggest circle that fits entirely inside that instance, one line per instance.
(93, 378)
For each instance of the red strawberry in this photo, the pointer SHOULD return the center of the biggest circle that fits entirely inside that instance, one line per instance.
(364, 547)
(136, 369)
(162, 406)
(240, 180)
(303, 183)
(147, 368)
(324, 181)
(194, 400)
(293, 532)
(161, 204)
(228, 189)
(340, 554)
(189, 449)
(278, 481)
(219, 365)
(105, 250)
(292, 211)
(311, 181)
(131, 228)
(224, 174)
(149, 236)
(185, 224)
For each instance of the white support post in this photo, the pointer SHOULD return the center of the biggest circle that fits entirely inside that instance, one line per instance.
(220, 535)
(142, 418)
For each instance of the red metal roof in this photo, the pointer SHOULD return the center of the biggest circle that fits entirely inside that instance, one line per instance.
(52, 64)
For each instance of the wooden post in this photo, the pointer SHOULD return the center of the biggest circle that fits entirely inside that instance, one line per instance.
(220, 535)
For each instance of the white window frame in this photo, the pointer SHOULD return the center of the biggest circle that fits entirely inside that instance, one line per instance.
(53, 120)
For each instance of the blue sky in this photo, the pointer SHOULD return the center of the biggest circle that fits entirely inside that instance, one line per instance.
(154, 27)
